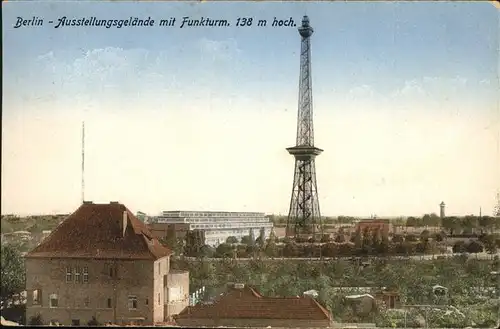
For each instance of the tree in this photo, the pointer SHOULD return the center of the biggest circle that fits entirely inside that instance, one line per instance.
(271, 250)
(36, 320)
(489, 243)
(261, 239)
(231, 240)
(246, 240)
(376, 240)
(452, 224)
(424, 236)
(397, 238)
(412, 221)
(474, 246)
(439, 237)
(224, 250)
(367, 241)
(384, 245)
(325, 238)
(93, 322)
(206, 251)
(486, 223)
(470, 222)
(340, 238)
(358, 239)
(426, 219)
(291, 250)
(411, 238)
(13, 272)
(435, 220)
(459, 247)
(175, 244)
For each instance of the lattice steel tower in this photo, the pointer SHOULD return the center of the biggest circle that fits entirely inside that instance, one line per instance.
(304, 218)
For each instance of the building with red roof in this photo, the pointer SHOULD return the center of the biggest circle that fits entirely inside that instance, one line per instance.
(101, 263)
(242, 306)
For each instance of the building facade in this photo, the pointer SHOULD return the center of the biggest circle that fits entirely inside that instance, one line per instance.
(384, 226)
(176, 293)
(217, 226)
(100, 264)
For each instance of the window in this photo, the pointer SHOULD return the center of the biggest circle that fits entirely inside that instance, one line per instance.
(85, 274)
(69, 275)
(132, 302)
(109, 303)
(147, 301)
(159, 301)
(75, 322)
(113, 273)
(53, 301)
(86, 302)
(77, 275)
(391, 302)
(36, 296)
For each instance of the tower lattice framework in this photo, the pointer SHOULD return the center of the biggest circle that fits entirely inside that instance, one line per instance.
(304, 217)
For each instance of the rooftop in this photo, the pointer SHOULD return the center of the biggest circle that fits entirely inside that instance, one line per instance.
(95, 231)
(246, 303)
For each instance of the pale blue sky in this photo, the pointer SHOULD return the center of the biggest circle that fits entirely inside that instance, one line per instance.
(413, 87)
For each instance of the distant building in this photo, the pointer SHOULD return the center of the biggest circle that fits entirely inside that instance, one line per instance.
(102, 262)
(373, 224)
(217, 226)
(242, 306)
(389, 296)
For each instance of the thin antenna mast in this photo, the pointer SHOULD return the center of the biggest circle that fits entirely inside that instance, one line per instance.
(83, 161)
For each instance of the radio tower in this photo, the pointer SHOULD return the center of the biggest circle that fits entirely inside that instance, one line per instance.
(83, 161)
(304, 218)
(496, 209)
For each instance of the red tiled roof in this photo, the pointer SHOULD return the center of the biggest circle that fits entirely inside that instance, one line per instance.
(94, 231)
(246, 303)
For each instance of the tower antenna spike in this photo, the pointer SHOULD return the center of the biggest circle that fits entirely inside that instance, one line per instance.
(304, 217)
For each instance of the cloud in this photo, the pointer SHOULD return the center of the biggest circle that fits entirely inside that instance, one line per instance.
(425, 92)
(219, 50)
(99, 75)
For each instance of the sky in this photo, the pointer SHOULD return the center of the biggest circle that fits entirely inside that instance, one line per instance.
(406, 107)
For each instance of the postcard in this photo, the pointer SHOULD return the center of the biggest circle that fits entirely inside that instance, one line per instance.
(252, 150)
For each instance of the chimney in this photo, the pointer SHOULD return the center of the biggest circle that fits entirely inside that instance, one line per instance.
(124, 223)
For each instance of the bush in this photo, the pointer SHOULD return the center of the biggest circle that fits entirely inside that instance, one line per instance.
(397, 238)
(291, 250)
(474, 246)
(340, 238)
(325, 238)
(36, 320)
(439, 237)
(411, 238)
(459, 247)
(93, 322)
(271, 250)
(224, 250)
